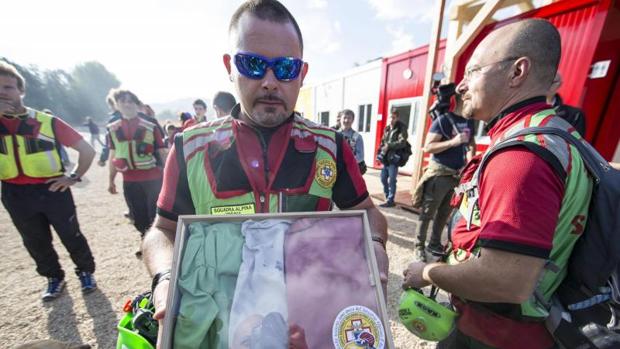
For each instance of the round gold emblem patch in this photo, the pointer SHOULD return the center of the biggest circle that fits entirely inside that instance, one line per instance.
(325, 173)
(358, 327)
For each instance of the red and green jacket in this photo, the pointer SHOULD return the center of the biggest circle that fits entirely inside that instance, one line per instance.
(233, 169)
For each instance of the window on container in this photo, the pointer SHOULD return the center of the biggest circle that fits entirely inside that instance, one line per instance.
(363, 117)
(367, 123)
(361, 113)
(324, 116)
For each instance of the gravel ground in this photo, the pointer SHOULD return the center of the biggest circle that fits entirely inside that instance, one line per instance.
(92, 318)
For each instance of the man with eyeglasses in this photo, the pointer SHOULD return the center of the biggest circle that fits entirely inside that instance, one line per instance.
(264, 157)
(522, 207)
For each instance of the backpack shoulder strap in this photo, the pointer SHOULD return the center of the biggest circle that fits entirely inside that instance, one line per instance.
(594, 162)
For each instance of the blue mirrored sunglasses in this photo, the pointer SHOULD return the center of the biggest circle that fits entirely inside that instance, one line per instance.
(255, 67)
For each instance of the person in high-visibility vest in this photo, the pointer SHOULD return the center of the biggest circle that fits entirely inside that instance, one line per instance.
(264, 157)
(35, 190)
(137, 151)
(522, 206)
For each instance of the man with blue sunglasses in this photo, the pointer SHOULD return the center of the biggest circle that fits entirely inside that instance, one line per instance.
(264, 157)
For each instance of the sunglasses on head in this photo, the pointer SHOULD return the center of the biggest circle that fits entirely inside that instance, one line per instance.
(255, 67)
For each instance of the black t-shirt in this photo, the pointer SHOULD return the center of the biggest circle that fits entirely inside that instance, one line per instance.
(447, 125)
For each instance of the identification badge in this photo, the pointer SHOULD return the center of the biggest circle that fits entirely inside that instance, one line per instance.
(233, 209)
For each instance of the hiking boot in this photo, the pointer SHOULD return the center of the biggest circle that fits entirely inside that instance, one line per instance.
(87, 280)
(54, 289)
(388, 204)
(436, 251)
(420, 254)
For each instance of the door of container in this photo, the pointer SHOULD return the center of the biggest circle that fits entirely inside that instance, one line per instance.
(409, 114)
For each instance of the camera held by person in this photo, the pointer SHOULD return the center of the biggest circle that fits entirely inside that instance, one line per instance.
(443, 93)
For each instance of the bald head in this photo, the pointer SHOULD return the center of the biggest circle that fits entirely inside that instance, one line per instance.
(536, 39)
(512, 64)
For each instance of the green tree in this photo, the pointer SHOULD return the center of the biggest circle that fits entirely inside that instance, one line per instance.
(35, 86)
(91, 82)
(65, 102)
(71, 96)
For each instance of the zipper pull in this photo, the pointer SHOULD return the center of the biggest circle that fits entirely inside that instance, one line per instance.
(261, 199)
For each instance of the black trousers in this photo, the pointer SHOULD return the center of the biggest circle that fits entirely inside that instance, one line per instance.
(33, 209)
(141, 198)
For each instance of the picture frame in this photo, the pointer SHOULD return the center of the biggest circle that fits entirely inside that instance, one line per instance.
(182, 234)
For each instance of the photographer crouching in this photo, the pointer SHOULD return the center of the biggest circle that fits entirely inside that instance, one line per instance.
(450, 140)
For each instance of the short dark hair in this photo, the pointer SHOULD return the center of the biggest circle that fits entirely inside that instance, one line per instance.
(348, 112)
(119, 94)
(224, 101)
(200, 102)
(267, 10)
(184, 116)
(395, 112)
(539, 40)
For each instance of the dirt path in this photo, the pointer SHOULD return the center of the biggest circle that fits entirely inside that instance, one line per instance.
(92, 318)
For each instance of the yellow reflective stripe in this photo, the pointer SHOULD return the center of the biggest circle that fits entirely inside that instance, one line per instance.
(44, 163)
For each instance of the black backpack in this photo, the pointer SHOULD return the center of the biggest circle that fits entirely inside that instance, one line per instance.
(400, 156)
(585, 310)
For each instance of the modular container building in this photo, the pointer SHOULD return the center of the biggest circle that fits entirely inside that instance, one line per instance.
(590, 32)
(356, 89)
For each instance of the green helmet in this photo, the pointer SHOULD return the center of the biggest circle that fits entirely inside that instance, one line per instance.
(137, 329)
(424, 317)
(128, 337)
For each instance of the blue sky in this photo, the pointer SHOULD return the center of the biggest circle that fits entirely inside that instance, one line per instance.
(166, 50)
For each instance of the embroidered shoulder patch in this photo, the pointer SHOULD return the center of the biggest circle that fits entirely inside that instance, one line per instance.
(325, 173)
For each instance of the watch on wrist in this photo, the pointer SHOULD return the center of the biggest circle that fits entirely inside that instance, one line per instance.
(76, 177)
(158, 278)
(379, 240)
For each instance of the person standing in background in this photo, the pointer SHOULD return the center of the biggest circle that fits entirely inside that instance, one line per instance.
(94, 131)
(394, 138)
(135, 146)
(450, 141)
(35, 191)
(573, 115)
(353, 138)
(223, 102)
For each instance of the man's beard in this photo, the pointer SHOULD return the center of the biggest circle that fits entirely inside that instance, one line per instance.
(268, 118)
(269, 115)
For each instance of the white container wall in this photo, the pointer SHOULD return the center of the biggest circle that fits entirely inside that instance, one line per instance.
(358, 90)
